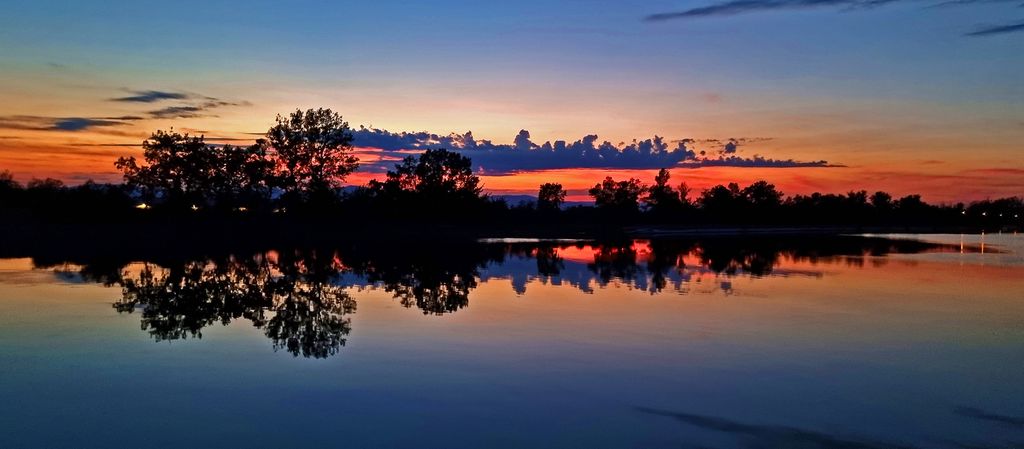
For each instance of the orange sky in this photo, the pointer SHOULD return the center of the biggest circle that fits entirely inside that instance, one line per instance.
(75, 161)
(901, 147)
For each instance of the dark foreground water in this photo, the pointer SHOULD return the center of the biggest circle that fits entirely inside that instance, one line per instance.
(852, 342)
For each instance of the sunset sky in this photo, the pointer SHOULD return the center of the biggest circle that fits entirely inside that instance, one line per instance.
(910, 96)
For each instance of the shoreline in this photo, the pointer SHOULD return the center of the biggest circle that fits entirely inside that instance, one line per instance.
(741, 231)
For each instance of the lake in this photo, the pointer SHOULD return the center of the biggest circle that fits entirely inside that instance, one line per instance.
(876, 341)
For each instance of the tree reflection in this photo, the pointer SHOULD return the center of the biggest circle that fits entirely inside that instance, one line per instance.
(436, 278)
(299, 297)
(549, 263)
(290, 299)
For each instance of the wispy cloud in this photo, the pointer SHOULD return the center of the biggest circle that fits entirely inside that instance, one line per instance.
(189, 105)
(193, 110)
(72, 124)
(737, 7)
(588, 152)
(82, 123)
(151, 96)
(999, 29)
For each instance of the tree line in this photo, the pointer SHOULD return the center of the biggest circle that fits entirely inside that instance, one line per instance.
(299, 167)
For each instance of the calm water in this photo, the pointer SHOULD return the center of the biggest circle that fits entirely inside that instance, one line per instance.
(853, 342)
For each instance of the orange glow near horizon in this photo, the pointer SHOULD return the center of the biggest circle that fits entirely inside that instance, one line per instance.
(36, 154)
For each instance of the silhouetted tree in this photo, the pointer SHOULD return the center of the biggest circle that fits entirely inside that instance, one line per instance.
(312, 151)
(7, 181)
(881, 201)
(620, 196)
(762, 195)
(438, 175)
(50, 184)
(245, 176)
(179, 167)
(10, 190)
(185, 171)
(910, 203)
(551, 196)
(661, 198)
(722, 201)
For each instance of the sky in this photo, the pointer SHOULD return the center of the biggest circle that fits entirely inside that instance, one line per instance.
(908, 96)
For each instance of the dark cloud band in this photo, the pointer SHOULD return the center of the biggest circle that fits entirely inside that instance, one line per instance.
(72, 124)
(588, 152)
(736, 7)
(1001, 29)
(151, 96)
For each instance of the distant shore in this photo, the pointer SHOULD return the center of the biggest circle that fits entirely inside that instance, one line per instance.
(726, 231)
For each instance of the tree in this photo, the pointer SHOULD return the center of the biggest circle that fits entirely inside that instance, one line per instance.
(684, 194)
(312, 151)
(185, 171)
(762, 195)
(245, 175)
(178, 166)
(551, 196)
(435, 175)
(910, 203)
(7, 182)
(661, 197)
(881, 201)
(45, 184)
(622, 196)
(721, 199)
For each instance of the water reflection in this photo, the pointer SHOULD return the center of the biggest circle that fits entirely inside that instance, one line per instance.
(292, 299)
(299, 297)
(775, 436)
(763, 436)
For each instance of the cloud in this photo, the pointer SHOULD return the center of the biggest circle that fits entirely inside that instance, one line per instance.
(72, 124)
(736, 7)
(947, 3)
(587, 152)
(993, 30)
(731, 146)
(755, 162)
(196, 106)
(192, 110)
(151, 96)
(82, 123)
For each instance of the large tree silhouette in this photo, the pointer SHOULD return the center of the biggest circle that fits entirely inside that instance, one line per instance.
(618, 196)
(178, 167)
(662, 199)
(312, 151)
(183, 170)
(550, 196)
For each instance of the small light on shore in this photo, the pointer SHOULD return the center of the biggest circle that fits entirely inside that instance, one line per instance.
(142, 206)
(194, 207)
(242, 209)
